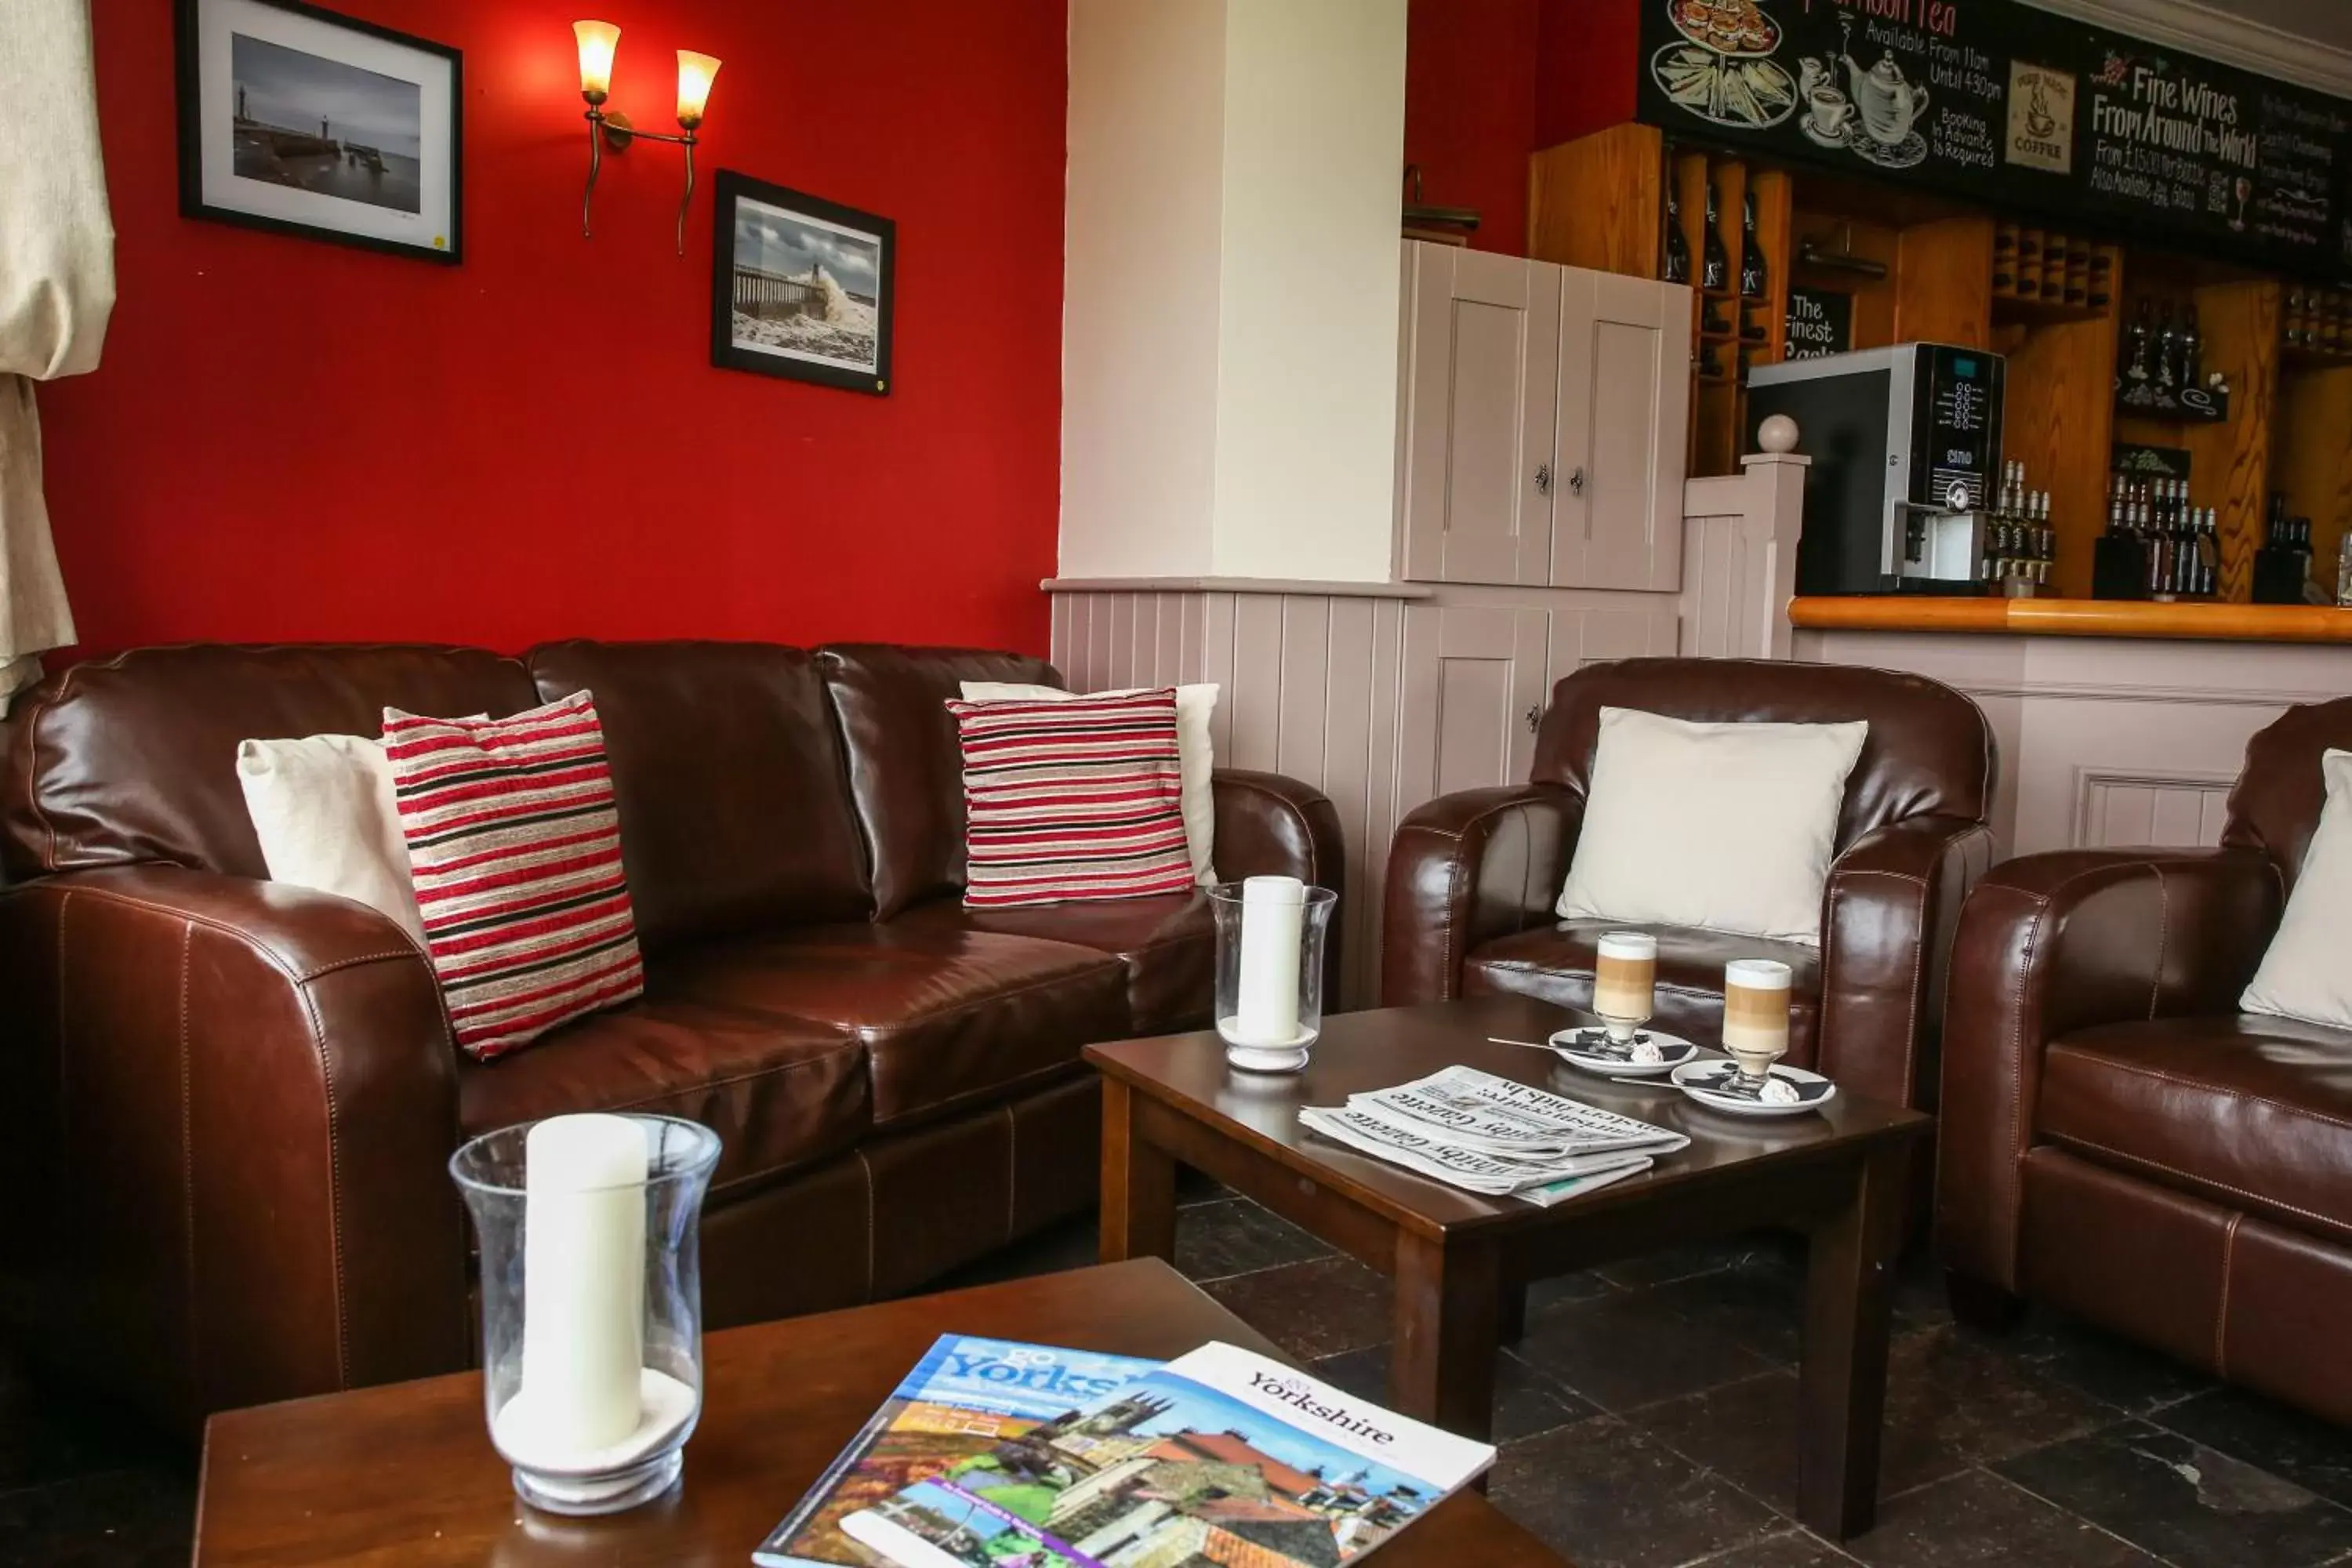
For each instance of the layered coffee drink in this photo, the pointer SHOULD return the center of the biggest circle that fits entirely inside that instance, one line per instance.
(1624, 979)
(1756, 1013)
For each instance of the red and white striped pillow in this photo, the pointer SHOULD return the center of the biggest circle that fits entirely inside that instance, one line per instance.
(515, 849)
(1076, 798)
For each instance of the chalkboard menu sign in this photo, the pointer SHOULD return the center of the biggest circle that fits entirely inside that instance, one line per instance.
(1820, 322)
(2017, 107)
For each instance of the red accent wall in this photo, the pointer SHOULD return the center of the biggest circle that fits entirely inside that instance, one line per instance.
(1489, 81)
(1469, 110)
(1588, 63)
(290, 439)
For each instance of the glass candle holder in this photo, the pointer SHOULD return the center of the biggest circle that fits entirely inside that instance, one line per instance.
(1270, 936)
(589, 1230)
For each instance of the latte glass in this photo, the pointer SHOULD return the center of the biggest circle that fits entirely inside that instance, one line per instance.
(1624, 982)
(1754, 1015)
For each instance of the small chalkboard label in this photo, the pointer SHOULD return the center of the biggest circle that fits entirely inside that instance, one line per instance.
(1820, 323)
(2143, 462)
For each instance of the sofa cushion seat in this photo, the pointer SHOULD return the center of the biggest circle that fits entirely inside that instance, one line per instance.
(1555, 963)
(1169, 945)
(2253, 1112)
(948, 1018)
(781, 1093)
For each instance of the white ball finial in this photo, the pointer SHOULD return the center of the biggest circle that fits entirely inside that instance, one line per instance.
(1777, 435)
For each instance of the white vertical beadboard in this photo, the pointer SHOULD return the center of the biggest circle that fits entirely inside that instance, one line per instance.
(1217, 665)
(1168, 639)
(1119, 672)
(1380, 794)
(1347, 768)
(1101, 616)
(1258, 699)
(2213, 814)
(1305, 686)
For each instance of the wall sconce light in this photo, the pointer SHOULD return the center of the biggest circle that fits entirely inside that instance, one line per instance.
(598, 41)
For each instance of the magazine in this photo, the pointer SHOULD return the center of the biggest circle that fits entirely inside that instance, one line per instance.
(1219, 1456)
(966, 1396)
(1539, 1181)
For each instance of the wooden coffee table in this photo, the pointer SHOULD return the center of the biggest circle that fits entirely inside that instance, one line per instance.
(406, 1473)
(1461, 1262)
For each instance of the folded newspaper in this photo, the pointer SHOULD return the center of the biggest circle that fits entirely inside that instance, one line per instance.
(1492, 1136)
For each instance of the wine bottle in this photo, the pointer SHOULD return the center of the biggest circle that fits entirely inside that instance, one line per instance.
(1714, 264)
(2168, 352)
(1751, 250)
(2135, 345)
(1677, 248)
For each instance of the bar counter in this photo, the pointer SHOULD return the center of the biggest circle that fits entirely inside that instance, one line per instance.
(2194, 621)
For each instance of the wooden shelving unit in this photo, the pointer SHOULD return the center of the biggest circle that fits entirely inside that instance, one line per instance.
(1923, 268)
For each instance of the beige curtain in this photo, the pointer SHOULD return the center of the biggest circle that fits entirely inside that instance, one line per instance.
(57, 288)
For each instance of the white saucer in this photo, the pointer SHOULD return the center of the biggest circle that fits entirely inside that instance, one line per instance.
(1674, 1047)
(1696, 1078)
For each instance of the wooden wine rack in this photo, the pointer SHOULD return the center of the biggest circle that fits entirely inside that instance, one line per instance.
(1599, 202)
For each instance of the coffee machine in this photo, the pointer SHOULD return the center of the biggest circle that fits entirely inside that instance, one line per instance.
(1906, 449)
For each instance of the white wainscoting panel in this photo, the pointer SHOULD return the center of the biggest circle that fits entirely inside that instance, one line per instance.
(2113, 810)
(2107, 741)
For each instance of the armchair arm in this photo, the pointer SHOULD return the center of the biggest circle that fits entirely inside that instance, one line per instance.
(1466, 868)
(1888, 914)
(2052, 944)
(1272, 825)
(242, 1098)
(1268, 824)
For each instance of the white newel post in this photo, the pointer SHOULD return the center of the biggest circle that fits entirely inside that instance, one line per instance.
(1775, 516)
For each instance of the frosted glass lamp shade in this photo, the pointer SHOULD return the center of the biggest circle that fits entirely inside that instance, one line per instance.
(598, 40)
(694, 78)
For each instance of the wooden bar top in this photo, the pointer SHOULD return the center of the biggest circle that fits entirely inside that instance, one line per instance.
(2075, 618)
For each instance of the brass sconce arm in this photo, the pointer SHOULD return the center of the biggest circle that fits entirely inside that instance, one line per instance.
(613, 130)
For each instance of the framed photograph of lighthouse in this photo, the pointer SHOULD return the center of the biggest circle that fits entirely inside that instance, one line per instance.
(304, 122)
(801, 287)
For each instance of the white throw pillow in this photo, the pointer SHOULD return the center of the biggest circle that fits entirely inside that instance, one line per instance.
(1195, 753)
(1730, 827)
(2307, 974)
(324, 811)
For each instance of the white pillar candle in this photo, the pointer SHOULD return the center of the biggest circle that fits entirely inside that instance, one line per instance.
(1274, 910)
(583, 1287)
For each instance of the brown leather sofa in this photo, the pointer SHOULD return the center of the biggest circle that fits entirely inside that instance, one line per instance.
(1474, 878)
(2117, 1138)
(233, 1102)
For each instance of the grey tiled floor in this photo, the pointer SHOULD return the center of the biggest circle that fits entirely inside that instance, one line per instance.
(1647, 1421)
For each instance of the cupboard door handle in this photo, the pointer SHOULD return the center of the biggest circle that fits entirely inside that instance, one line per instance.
(1576, 482)
(1543, 478)
(1535, 719)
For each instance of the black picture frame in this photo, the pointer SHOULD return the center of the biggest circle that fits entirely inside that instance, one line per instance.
(801, 217)
(196, 202)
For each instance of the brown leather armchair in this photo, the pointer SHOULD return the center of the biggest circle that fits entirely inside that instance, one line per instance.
(234, 1101)
(1474, 878)
(2117, 1138)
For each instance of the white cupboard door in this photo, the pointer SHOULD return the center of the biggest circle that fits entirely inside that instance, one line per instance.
(1474, 683)
(1625, 427)
(1480, 376)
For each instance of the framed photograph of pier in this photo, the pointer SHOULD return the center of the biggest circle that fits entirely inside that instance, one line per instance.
(800, 287)
(304, 122)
